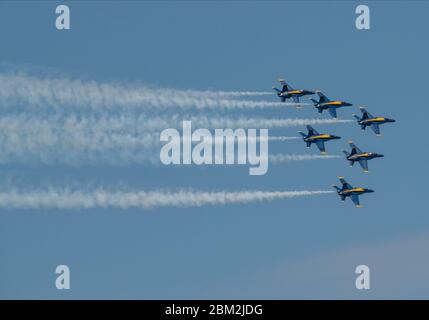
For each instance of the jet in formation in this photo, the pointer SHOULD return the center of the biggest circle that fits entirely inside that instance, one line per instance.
(325, 103)
(357, 155)
(287, 92)
(369, 120)
(315, 137)
(348, 191)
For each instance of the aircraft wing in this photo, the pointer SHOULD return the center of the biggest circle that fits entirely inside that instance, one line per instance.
(376, 128)
(355, 199)
(345, 184)
(364, 164)
(332, 112)
(321, 146)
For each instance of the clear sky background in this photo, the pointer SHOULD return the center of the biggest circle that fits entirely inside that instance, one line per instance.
(296, 248)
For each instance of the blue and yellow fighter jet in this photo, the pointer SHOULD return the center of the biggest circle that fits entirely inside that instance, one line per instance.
(325, 103)
(348, 191)
(315, 137)
(357, 155)
(369, 120)
(287, 92)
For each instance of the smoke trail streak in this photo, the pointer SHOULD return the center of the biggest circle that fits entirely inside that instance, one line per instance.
(102, 132)
(261, 122)
(67, 199)
(113, 140)
(217, 94)
(282, 138)
(64, 94)
(143, 124)
(175, 121)
(75, 142)
(284, 158)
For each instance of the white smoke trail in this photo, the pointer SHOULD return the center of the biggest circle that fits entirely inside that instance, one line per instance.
(261, 122)
(67, 199)
(72, 131)
(113, 140)
(141, 124)
(283, 158)
(64, 94)
(279, 138)
(73, 140)
(232, 94)
(283, 138)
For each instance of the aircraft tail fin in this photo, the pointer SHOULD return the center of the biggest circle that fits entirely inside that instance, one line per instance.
(357, 117)
(322, 97)
(346, 153)
(311, 130)
(336, 188)
(314, 101)
(365, 113)
(276, 90)
(302, 134)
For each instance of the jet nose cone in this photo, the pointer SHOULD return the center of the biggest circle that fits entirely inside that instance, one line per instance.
(392, 120)
(311, 92)
(336, 137)
(348, 104)
(369, 191)
(380, 155)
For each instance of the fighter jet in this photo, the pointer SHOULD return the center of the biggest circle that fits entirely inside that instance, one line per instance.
(325, 103)
(287, 92)
(357, 155)
(319, 139)
(369, 120)
(348, 191)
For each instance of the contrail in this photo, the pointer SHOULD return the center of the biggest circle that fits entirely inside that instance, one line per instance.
(114, 140)
(64, 94)
(74, 140)
(269, 138)
(283, 158)
(23, 130)
(218, 94)
(139, 125)
(283, 138)
(67, 199)
(214, 122)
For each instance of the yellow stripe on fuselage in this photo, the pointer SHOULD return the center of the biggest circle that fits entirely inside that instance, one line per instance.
(363, 154)
(376, 119)
(354, 190)
(321, 136)
(294, 92)
(334, 102)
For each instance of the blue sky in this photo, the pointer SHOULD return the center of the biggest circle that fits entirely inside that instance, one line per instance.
(293, 248)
